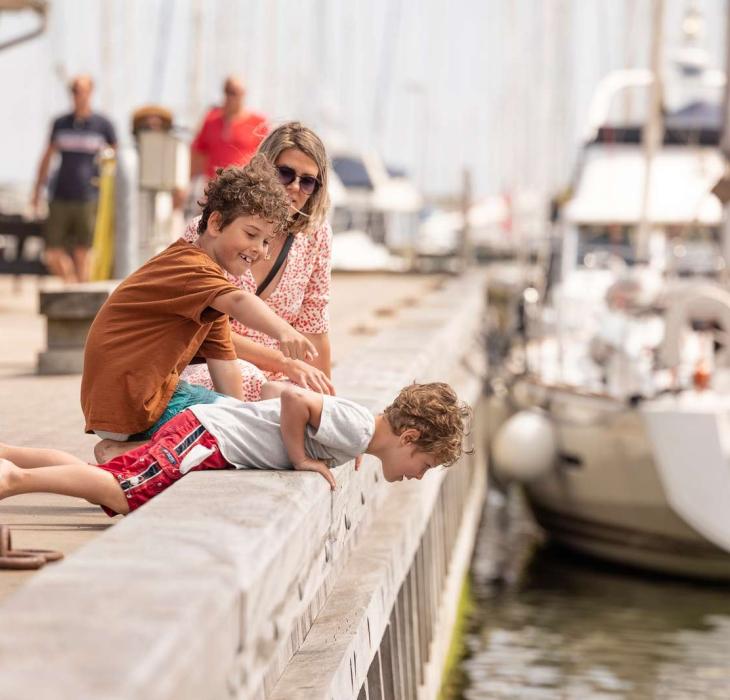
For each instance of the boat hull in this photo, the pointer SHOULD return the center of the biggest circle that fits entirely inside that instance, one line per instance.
(605, 498)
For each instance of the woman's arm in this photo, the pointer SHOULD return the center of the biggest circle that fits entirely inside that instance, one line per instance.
(271, 360)
(226, 378)
(313, 315)
(321, 342)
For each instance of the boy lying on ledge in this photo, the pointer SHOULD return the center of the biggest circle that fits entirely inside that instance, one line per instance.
(302, 430)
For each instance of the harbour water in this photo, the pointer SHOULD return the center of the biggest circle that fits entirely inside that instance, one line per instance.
(547, 625)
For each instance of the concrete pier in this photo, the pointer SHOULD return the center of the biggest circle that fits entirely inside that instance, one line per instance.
(264, 584)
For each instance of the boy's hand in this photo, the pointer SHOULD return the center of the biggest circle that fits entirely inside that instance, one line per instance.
(309, 377)
(358, 462)
(295, 346)
(317, 465)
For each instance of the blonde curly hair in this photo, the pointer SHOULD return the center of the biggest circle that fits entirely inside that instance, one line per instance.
(435, 411)
(251, 190)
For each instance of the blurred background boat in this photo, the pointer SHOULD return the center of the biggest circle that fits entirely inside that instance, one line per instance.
(612, 407)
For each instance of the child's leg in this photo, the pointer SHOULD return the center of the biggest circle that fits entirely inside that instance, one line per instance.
(32, 457)
(76, 479)
(272, 390)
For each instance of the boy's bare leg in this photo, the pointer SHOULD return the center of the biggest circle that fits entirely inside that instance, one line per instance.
(79, 480)
(33, 457)
(273, 390)
(106, 449)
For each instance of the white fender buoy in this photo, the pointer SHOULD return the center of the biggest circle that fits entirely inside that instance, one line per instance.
(525, 447)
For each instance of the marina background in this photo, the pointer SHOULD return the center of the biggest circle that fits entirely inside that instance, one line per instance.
(500, 88)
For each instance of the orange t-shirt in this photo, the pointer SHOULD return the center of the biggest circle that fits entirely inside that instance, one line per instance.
(146, 334)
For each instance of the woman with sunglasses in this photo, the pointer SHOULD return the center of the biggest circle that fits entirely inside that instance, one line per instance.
(294, 277)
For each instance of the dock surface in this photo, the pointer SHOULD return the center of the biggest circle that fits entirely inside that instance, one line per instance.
(44, 411)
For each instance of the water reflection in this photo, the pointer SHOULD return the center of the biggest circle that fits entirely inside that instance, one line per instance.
(568, 628)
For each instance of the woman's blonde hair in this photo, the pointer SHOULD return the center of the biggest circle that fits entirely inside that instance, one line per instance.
(302, 138)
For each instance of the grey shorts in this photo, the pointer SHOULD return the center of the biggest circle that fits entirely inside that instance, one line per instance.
(70, 224)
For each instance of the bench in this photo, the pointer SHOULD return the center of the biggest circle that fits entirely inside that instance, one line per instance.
(17, 256)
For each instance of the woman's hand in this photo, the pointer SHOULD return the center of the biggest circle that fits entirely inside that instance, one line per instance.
(295, 346)
(317, 465)
(309, 377)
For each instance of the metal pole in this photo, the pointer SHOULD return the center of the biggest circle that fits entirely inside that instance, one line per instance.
(652, 132)
(465, 255)
(725, 145)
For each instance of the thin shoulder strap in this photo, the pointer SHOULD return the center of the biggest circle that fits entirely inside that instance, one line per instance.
(277, 265)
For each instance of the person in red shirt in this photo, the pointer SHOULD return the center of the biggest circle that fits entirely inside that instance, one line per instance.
(230, 134)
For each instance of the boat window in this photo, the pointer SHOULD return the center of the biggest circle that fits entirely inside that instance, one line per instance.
(598, 243)
(694, 250)
(352, 172)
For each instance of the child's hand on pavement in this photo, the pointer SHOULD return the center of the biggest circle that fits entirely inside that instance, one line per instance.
(294, 345)
(317, 465)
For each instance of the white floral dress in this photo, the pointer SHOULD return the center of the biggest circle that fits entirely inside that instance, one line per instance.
(301, 298)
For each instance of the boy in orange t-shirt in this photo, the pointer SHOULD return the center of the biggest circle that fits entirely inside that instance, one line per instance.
(177, 305)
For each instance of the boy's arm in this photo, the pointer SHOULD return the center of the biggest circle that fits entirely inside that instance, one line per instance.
(226, 378)
(271, 360)
(299, 408)
(254, 313)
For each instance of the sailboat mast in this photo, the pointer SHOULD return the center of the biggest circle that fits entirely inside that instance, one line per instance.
(652, 132)
(725, 145)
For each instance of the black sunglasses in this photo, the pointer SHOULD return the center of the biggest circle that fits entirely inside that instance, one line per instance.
(307, 183)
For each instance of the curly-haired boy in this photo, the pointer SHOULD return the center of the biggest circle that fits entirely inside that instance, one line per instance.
(299, 429)
(177, 305)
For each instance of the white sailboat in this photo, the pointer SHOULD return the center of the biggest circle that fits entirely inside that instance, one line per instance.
(375, 212)
(615, 411)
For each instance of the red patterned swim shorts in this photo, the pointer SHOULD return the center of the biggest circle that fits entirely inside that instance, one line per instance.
(179, 446)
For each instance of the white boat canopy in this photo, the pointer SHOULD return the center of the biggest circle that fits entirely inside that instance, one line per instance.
(611, 181)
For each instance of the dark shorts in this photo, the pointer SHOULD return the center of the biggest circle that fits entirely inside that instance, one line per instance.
(180, 446)
(70, 224)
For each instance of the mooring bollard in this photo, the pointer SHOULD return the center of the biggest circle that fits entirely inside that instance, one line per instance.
(69, 313)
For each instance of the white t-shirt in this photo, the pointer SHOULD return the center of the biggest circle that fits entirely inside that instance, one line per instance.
(249, 434)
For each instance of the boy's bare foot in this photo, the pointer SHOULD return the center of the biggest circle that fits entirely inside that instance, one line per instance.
(10, 473)
(106, 449)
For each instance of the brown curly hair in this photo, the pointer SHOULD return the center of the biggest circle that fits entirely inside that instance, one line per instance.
(252, 190)
(435, 411)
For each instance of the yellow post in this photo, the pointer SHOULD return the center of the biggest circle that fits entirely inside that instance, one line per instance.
(102, 262)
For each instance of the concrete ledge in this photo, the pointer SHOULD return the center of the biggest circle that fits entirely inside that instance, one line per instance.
(347, 634)
(69, 314)
(61, 361)
(209, 590)
(76, 301)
